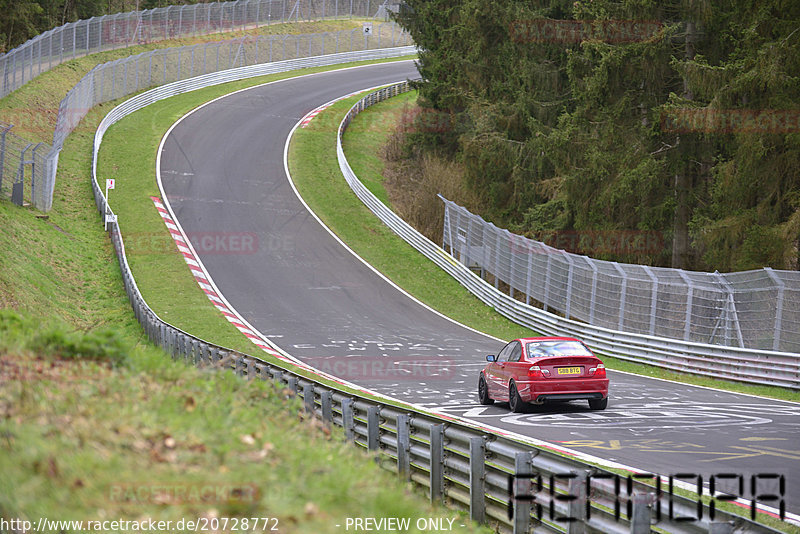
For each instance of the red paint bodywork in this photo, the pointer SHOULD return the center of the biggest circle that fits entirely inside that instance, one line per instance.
(546, 384)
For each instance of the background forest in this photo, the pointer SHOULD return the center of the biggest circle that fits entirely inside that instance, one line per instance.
(675, 117)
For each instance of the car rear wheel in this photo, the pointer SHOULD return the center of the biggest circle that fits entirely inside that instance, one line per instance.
(598, 404)
(515, 402)
(483, 392)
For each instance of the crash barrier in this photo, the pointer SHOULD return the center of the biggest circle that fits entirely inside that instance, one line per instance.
(746, 365)
(495, 477)
(121, 30)
(116, 79)
(757, 309)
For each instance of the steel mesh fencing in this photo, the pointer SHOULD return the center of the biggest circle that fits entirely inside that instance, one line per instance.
(23, 169)
(753, 309)
(122, 30)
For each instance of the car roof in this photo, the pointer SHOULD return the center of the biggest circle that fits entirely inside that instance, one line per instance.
(548, 338)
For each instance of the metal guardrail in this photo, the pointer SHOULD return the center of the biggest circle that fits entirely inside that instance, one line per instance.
(121, 30)
(745, 365)
(511, 484)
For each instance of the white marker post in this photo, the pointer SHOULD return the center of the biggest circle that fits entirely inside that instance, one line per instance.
(106, 216)
(367, 29)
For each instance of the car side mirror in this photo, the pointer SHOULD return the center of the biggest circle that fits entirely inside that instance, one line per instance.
(491, 358)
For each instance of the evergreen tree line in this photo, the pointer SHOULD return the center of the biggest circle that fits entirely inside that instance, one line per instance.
(21, 20)
(680, 118)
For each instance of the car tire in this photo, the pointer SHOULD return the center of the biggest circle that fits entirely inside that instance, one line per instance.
(515, 402)
(483, 392)
(598, 404)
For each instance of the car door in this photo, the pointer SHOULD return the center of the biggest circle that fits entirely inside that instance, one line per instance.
(515, 369)
(496, 374)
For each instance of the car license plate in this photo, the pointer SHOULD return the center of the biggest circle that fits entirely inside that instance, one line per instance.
(569, 370)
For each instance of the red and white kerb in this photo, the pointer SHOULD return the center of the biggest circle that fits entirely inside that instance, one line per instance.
(202, 280)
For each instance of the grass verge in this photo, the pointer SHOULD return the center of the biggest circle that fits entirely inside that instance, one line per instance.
(153, 440)
(317, 176)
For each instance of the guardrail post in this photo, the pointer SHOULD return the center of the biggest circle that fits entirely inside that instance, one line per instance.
(277, 375)
(404, 446)
(182, 346)
(261, 370)
(437, 463)
(373, 428)
(520, 492)
(640, 520)
(291, 383)
(720, 527)
(308, 398)
(348, 420)
(477, 479)
(195, 351)
(326, 399)
(576, 489)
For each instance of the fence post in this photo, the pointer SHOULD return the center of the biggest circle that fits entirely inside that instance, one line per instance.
(373, 428)
(776, 340)
(593, 300)
(6, 128)
(520, 492)
(570, 272)
(640, 520)
(577, 504)
(653, 298)
(622, 291)
(18, 187)
(687, 327)
(308, 398)
(348, 420)
(437, 463)
(326, 399)
(549, 251)
(291, 383)
(404, 446)
(477, 479)
(720, 527)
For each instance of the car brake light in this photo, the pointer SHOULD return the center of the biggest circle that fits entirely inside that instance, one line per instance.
(598, 372)
(535, 372)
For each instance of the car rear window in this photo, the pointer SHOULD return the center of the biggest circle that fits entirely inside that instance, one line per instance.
(539, 349)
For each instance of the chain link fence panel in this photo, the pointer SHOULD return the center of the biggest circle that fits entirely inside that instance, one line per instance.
(77, 39)
(757, 309)
(23, 168)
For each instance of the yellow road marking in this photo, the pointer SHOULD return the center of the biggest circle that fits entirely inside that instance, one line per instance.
(752, 453)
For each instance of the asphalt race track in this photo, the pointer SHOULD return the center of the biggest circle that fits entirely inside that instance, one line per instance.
(223, 173)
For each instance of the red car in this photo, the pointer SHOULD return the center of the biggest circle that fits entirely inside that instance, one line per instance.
(537, 370)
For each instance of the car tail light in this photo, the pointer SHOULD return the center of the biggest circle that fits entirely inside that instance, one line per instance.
(598, 372)
(534, 372)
